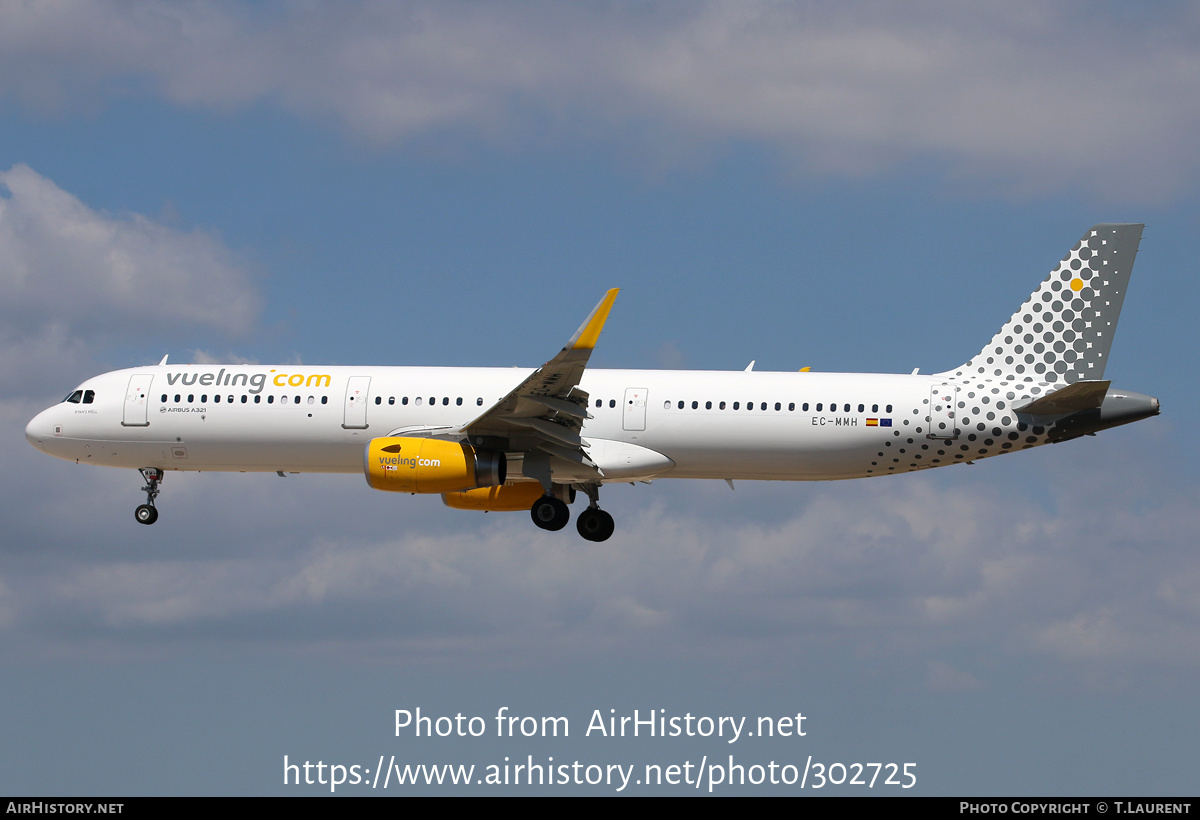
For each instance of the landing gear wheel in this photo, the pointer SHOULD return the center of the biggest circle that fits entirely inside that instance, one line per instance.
(595, 524)
(549, 513)
(145, 514)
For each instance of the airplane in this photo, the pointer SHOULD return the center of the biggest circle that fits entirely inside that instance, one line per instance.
(500, 439)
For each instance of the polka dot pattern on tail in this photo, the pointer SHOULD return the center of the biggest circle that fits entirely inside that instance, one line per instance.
(1063, 332)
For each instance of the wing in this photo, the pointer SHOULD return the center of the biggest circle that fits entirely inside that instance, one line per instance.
(543, 416)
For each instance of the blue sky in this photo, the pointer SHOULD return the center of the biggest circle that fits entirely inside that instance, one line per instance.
(852, 188)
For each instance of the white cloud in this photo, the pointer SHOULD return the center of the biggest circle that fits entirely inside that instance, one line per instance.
(942, 677)
(61, 259)
(28, 353)
(956, 585)
(69, 273)
(206, 357)
(1039, 94)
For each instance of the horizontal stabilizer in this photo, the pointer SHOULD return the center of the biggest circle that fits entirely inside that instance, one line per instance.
(1070, 399)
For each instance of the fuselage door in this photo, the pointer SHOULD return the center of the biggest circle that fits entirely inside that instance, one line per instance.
(943, 411)
(633, 417)
(137, 397)
(356, 403)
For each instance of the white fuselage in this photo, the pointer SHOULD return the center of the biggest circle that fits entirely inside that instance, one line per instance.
(815, 426)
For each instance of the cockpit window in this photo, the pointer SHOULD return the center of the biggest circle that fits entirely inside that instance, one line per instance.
(89, 396)
(74, 397)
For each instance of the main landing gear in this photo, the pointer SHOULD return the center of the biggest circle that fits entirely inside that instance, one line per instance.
(595, 524)
(551, 513)
(147, 513)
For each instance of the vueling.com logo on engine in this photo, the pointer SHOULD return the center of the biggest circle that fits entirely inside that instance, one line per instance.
(396, 462)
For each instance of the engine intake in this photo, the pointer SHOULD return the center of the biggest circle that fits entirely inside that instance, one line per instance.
(403, 464)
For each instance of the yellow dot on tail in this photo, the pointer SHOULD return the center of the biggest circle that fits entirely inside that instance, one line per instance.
(1077, 285)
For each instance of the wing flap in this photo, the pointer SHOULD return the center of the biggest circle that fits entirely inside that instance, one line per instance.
(570, 408)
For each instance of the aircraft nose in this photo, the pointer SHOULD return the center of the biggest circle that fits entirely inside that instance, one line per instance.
(37, 431)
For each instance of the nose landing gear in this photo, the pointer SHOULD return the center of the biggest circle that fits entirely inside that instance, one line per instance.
(147, 513)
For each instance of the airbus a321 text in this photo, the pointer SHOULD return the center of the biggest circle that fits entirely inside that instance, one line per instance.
(505, 439)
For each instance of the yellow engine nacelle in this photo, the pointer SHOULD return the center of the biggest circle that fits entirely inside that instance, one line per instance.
(508, 498)
(425, 465)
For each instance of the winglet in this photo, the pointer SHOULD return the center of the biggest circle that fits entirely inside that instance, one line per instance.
(589, 332)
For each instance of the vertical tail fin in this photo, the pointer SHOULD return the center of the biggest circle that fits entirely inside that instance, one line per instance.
(1063, 332)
